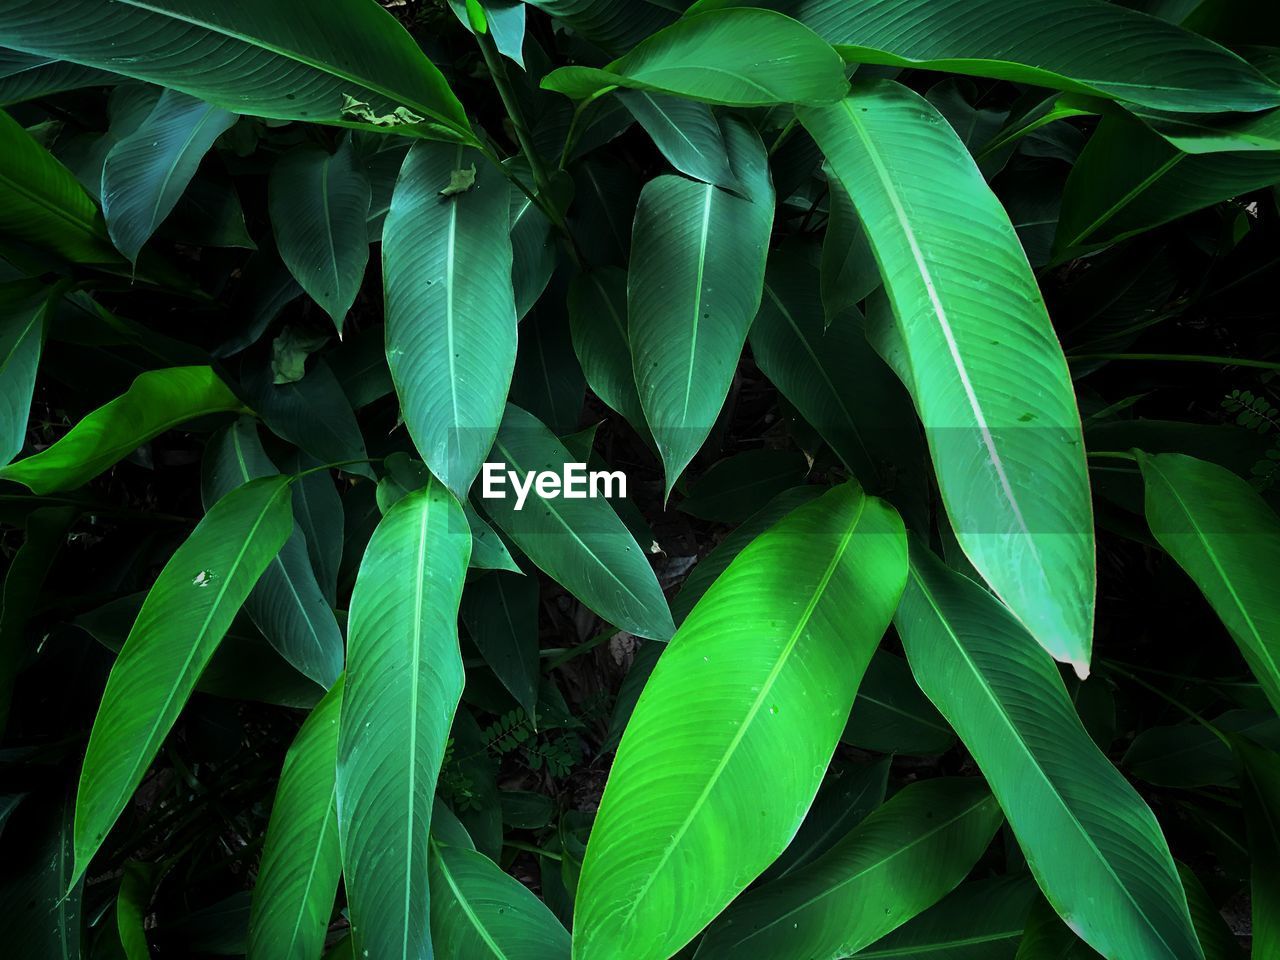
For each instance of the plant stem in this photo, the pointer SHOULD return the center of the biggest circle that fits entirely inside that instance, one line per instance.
(1113, 455)
(1178, 358)
(578, 111)
(498, 71)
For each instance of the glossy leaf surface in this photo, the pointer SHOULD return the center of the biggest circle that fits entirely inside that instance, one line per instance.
(697, 271)
(979, 356)
(907, 855)
(451, 321)
(301, 860)
(1093, 845)
(157, 401)
(314, 56)
(319, 204)
(682, 827)
(403, 682)
(180, 625)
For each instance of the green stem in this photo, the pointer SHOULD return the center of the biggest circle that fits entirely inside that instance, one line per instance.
(498, 71)
(1113, 455)
(781, 137)
(336, 465)
(1177, 358)
(578, 110)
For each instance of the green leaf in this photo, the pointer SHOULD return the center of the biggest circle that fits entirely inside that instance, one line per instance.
(504, 20)
(319, 205)
(180, 625)
(697, 270)
(500, 612)
(581, 544)
(40, 903)
(747, 720)
(289, 352)
(301, 860)
(317, 508)
(839, 385)
(1076, 45)
(981, 920)
(713, 564)
(1129, 180)
(488, 552)
(480, 913)
(286, 604)
(146, 172)
(404, 678)
(686, 132)
(891, 715)
(286, 60)
(156, 401)
(615, 26)
(136, 889)
(451, 322)
(739, 58)
(244, 667)
(979, 356)
(1048, 938)
(1093, 845)
(312, 413)
(42, 206)
(1216, 938)
(849, 792)
(24, 309)
(901, 860)
(734, 488)
(548, 380)
(533, 249)
(1192, 754)
(24, 77)
(1227, 539)
(849, 270)
(598, 324)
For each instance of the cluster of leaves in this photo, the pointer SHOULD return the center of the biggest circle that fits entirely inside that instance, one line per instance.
(910, 323)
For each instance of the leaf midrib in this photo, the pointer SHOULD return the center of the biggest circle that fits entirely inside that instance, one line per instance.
(159, 715)
(1203, 540)
(319, 66)
(1012, 727)
(864, 870)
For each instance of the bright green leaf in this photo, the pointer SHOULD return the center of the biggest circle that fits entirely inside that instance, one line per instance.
(898, 862)
(731, 735)
(156, 401)
(180, 625)
(301, 861)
